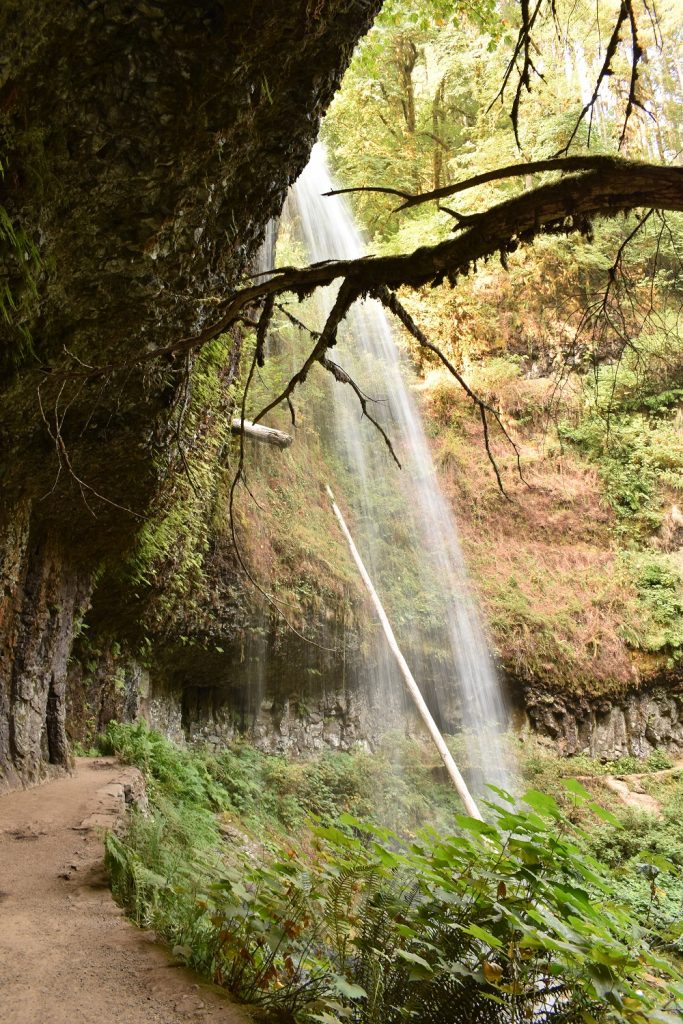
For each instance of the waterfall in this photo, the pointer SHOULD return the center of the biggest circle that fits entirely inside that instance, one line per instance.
(403, 525)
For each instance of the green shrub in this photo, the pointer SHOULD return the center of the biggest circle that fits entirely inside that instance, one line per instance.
(498, 921)
(658, 761)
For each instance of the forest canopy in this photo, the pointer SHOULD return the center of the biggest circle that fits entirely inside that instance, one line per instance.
(478, 128)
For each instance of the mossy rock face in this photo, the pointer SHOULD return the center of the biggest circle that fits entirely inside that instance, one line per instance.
(144, 147)
(635, 723)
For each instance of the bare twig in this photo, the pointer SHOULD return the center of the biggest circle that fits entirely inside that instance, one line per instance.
(294, 320)
(565, 165)
(342, 377)
(262, 329)
(605, 72)
(54, 429)
(327, 338)
(383, 189)
(522, 49)
(636, 55)
(616, 266)
(392, 303)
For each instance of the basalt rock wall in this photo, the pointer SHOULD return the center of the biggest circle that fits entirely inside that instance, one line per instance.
(636, 722)
(144, 147)
(287, 698)
(265, 684)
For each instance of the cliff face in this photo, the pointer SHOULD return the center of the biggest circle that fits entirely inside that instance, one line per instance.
(636, 722)
(144, 147)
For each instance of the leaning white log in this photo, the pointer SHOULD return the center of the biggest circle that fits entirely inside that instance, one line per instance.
(413, 688)
(258, 432)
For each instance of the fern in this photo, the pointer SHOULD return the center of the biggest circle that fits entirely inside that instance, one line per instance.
(502, 922)
(25, 258)
(133, 883)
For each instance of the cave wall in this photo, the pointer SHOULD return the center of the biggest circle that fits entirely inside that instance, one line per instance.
(249, 676)
(42, 602)
(145, 145)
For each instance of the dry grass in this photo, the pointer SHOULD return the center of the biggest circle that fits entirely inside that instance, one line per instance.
(549, 580)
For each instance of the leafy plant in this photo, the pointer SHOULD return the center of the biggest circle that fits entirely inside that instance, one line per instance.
(505, 920)
(21, 254)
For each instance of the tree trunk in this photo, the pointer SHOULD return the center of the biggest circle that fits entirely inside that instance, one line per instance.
(437, 132)
(408, 678)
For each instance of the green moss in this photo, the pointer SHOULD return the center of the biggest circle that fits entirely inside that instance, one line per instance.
(171, 547)
(19, 262)
(659, 587)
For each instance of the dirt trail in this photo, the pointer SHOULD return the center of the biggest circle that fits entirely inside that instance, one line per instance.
(67, 953)
(630, 789)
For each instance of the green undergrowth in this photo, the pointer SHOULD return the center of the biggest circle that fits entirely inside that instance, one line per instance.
(644, 852)
(659, 586)
(283, 521)
(630, 430)
(333, 917)
(639, 455)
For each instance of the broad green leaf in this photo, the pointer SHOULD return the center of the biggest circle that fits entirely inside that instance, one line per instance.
(604, 814)
(575, 787)
(413, 958)
(474, 825)
(542, 803)
(347, 988)
(483, 934)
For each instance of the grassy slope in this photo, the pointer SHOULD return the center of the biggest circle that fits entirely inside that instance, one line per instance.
(579, 574)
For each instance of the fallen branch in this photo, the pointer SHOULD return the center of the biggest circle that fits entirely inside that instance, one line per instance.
(408, 678)
(615, 185)
(566, 165)
(257, 432)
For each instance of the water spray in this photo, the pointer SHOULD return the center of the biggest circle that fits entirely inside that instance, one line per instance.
(413, 689)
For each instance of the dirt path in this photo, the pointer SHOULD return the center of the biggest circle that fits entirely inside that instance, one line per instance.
(630, 789)
(67, 953)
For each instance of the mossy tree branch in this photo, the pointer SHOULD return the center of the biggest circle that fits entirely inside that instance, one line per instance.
(563, 207)
(609, 186)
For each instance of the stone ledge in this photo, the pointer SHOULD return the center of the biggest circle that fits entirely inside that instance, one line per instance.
(114, 799)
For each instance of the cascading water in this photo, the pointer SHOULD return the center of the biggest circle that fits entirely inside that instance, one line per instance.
(403, 525)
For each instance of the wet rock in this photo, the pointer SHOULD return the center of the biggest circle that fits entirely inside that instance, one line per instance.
(145, 147)
(634, 723)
